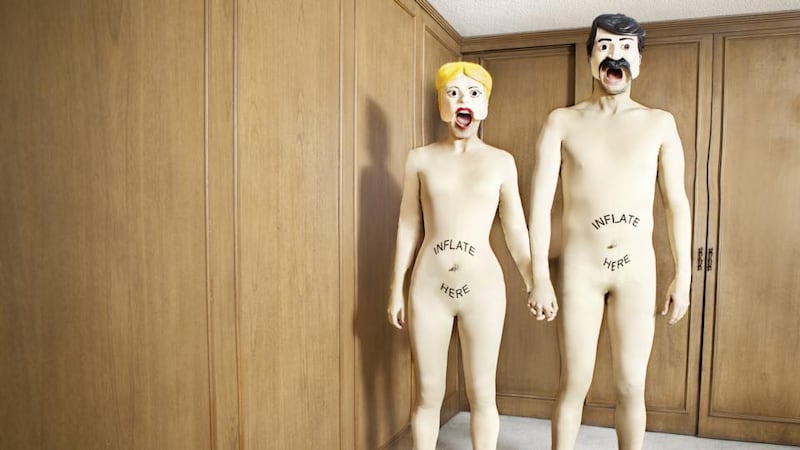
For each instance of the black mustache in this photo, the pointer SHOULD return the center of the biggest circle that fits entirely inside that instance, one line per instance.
(617, 64)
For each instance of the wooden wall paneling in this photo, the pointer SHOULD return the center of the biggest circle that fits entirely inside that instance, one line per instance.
(103, 315)
(673, 372)
(751, 338)
(347, 213)
(522, 41)
(386, 73)
(584, 81)
(435, 51)
(438, 48)
(724, 24)
(288, 131)
(220, 215)
(527, 86)
(442, 27)
(671, 28)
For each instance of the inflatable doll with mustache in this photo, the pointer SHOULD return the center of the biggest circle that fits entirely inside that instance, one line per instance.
(609, 151)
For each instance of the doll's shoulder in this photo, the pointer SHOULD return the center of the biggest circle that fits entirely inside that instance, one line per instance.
(421, 153)
(561, 118)
(653, 114)
(566, 112)
(420, 157)
(659, 119)
(502, 159)
(664, 117)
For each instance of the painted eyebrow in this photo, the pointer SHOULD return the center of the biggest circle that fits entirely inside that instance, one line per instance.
(468, 87)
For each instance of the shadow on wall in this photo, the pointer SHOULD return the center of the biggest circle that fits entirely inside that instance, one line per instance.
(383, 354)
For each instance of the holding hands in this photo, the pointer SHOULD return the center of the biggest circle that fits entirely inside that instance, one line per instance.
(542, 301)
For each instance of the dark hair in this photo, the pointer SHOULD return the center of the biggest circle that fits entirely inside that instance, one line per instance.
(617, 24)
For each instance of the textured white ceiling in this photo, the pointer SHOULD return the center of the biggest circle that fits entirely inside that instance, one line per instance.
(487, 17)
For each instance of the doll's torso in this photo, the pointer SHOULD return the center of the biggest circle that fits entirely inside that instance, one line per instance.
(609, 169)
(459, 195)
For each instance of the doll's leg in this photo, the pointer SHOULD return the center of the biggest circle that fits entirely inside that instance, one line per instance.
(480, 330)
(430, 327)
(631, 324)
(579, 319)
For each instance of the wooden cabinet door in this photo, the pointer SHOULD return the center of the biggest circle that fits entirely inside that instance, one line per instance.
(527, 86)
(675, 77)
(385, 132)
(398, 51)
(751, 355)
(104, 311)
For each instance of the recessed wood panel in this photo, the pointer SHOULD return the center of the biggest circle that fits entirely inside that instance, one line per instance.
(750, 389)
(288, 224)
(435, 53)
(385, 130)
(103, 314)
(220, 244)
(672, 78)
(526, 87)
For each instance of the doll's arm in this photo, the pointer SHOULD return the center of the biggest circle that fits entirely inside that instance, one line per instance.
(512, 218)
(678, 215)
(409, 230)
(542, 301)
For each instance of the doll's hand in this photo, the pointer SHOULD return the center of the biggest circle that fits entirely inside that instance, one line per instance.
(678, 299)
(397, 313)
(542, 302)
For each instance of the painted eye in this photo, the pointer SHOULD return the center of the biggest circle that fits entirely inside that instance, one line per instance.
(474, 93)
(603, 46)
(452, 92)
(626, 46)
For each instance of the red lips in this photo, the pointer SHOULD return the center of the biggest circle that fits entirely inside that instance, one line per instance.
(463, 117)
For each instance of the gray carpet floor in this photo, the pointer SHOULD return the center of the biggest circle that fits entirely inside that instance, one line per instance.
(523, 433)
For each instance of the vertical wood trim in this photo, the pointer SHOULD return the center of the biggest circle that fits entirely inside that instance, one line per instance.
(700, 221)
(236, 235)
(430, 28)
(220, 204)
(717, 115)
(437, 18)
(347, 222)
(583, 73)
(419, 78)
(418, 46)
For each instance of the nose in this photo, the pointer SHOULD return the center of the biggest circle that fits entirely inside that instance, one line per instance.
(612, 52)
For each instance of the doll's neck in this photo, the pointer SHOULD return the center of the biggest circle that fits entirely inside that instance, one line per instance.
(612, 103)
(464, 144)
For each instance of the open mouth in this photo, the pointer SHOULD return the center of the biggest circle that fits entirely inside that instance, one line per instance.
(614, 74)
(614, 69)
(463, 117)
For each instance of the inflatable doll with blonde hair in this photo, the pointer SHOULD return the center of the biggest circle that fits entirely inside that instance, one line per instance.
(451, 193)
